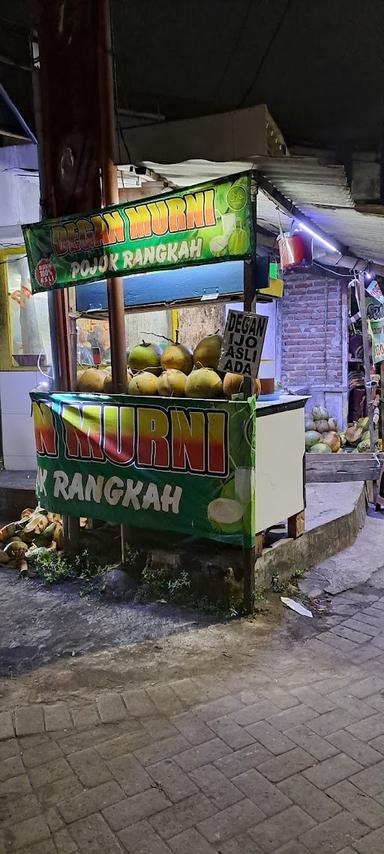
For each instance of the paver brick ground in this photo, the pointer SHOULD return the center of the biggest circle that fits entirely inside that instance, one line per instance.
(281, 754)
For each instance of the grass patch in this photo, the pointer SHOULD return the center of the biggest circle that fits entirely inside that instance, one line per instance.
(55, 567)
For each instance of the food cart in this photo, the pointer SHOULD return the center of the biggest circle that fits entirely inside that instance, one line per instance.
(201, 466)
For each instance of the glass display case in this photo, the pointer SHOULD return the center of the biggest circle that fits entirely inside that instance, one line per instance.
(24, 322)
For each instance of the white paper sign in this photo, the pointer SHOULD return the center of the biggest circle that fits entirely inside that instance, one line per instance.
(243, 343)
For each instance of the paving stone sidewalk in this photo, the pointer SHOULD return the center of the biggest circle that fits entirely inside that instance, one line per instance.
(284, 756)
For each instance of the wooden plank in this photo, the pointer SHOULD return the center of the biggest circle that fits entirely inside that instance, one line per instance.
(337, 468)
(296, 525)
(367, 359)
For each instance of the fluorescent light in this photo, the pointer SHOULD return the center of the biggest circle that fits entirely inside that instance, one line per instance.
(318, 237)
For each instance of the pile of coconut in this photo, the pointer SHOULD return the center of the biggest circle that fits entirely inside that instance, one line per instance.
(321, 433)
(171, 370)
(323, 437)
(37, 532)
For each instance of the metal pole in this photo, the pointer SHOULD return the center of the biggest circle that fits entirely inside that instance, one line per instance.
(111, 193)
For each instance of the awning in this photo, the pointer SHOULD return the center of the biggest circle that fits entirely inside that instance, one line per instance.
(320, 191)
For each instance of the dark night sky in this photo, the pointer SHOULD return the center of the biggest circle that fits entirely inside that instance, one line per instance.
(317, 64)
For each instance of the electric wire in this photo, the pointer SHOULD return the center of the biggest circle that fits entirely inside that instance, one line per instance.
(235, 46)
(265, 55)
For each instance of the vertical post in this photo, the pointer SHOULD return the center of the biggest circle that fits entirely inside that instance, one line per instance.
(249, 294)
(111, 193)
(367, 360)
(70, 166)
(382, 400)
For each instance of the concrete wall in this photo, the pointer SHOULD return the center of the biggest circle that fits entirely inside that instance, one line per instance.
(200, 320)
(314, 340)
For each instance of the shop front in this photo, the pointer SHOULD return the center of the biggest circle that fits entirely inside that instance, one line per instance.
(198, 459)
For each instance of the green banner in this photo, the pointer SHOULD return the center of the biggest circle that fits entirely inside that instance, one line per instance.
(155, 463)
(205, 223)
(375, 317)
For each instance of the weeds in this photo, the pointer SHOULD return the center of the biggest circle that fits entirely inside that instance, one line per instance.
(56, 567)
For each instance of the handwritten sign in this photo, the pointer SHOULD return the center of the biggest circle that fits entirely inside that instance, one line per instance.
(243, 343)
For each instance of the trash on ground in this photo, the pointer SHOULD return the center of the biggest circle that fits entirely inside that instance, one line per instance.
(296, 606)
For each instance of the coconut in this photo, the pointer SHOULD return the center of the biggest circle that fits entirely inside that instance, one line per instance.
(108, 386)
(207, 352)
(310, 424)
(363, 423)
(322, 426)
(225, 514)
(204, 383)
(320, 448)
(144, 357)
(233, 384)
(311, 438)
(319, 413)
(332, 440)
(177, 356)
(143, 383)
(365, 445)
(353, 434)
(171, 383)
(332, 425)
(92, 380)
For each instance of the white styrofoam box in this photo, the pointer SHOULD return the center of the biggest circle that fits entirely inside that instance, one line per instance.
(14, 391)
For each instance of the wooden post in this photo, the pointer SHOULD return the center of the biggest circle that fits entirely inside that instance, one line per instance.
(382, 400)
(367, 360)
(111, 194)
(249, 294)
(70, 164)
(367, 377)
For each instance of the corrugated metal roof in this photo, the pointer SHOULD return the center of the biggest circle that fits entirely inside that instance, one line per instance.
(320, 190)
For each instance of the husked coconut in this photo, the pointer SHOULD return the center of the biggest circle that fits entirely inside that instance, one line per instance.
(332, 440)
(233, 384)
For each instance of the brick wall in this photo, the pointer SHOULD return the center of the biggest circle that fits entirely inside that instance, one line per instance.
(314, 347)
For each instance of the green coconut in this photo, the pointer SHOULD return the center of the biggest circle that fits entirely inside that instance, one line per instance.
(319, 413)
(320, 448)
(144, 356)
(363, 424)
(311, 438)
